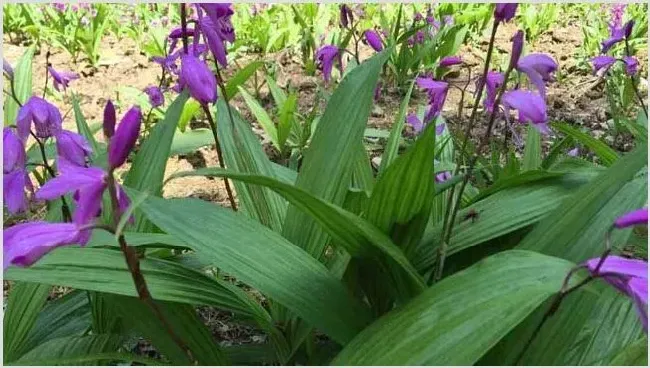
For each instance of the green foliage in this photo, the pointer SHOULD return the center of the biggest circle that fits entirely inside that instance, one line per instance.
(329, 256)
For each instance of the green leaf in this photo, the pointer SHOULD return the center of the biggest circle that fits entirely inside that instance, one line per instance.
(499, 214)
(350, 231)
(400, 203)
(583, 213)
(533, 150)
(80, 350)
(23, 305)
(392, 146)
(278, 94)
(242, 75)
(66, 316)
(184, 323)
(576, 230)
(243, 152)
(262, 117)
(327, 166)
(264, 260)
(22, 85)
(635, 354)
(190, 110)
(83, 128)
(600, 149)
(458, 319)
(286, 119)
(105, 271)
(148, 169)
(190, 141)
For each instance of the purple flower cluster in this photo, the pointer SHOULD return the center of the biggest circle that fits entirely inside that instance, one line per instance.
(213, 25)
(25, 243)
(629, 276)
(618, 32)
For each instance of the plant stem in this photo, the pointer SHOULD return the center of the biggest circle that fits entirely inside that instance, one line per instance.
(468, 132)
(634, 81)
(65, 209)
(213, 127)
(184, 27)
(133, 264)
(470, 169)
(47, 64)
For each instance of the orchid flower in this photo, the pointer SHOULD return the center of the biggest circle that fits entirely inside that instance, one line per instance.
(45, 116)
(530, 106)
(325, 57)
(62, 79)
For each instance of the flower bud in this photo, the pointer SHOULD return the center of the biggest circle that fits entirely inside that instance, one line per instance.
(109, 120)
(517, 47)
(198, 79)
(125, 137)
(503, 12)
(628, 28)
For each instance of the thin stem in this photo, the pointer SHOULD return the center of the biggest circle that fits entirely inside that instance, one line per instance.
(213, 127)
(13, 92)
(470, 169)
(65, 210)
(47, 64)
(634, 81)
(462, 93)
(479, 92)
(133, 264)
(184, 27)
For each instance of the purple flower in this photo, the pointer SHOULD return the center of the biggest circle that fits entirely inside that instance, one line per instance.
(629, 276)
(450, 60)
(538, 68)
(377, 92)
(616, 35)
(449, 20)
(198, 78)
(631, 65)
(503, 12)
(493, 82)
(617, 12)
(15, 177)
(109, 120)
(517, 46)
(414, 122)
(417, 124)
(215, 43)
(218, 29)
(573, 152)
(60, 6)
(61, 79)
(168, 62)
(45, 116)
(602, 62)
(72, 147)
(531, 108)
(156, 97)
(6, 67)
(418, 17)
(636, 217)
(373, 39)
(346, 16)
(437, 92)
(443, 177)
(88, 184)
(26, 243)
(325, 57)
(628, 28)
(125, 137)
